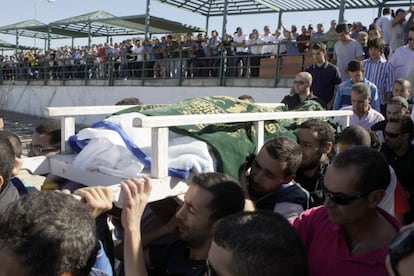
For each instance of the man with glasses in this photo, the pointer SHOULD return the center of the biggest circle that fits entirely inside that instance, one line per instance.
(349, 235)
(399, 152)
(403, 57)
(264, 244)
(45, 139)
(302, 92)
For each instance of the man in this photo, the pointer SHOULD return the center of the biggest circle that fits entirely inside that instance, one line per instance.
(239, 41)
(47, 233)
(316, 138)
(398, 28)
(403, 57)
(210, 197)
(349, 235)
(331, 38)
(302, 87)
(45, 139)
(325, 75)
(396, 107)
(303, 40)
(379, 71)
(265, 244)
(343, 95)
(363, 115)
(318, 36)
(362, 38)
(346, 50)
(8, 192)
(268, 40)
(384, 23)
(270, 181)
(400, 154)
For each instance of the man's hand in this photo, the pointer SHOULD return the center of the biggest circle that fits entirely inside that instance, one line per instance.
(136, 193)
(97, 197)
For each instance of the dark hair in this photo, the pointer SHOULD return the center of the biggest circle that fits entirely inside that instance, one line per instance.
(286, 150)
(51, 128)
(371, 165)
(51, 233)
(7, 158)
(228, 195)
(355, 66)
(129, 101)
(262, 243)
(355, 135)
(406, 124)
(319, 46)
(246, 97)
(377, 43)
(386, 10)
(325, 131)
(342, 28)
(14, 141)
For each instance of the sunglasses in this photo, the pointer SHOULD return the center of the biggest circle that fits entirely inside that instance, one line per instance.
(341, 198)
(38, 150)
(401, 246)
(210, 270)
(299, 82)
(390, 134)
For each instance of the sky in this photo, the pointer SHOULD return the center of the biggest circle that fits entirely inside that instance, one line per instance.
(46, 12)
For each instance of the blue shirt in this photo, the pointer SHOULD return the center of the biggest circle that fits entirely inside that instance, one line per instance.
(343, 95)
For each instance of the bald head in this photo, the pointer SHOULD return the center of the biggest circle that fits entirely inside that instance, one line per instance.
(305, 76)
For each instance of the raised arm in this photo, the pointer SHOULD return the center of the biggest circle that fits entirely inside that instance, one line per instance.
(136, 193)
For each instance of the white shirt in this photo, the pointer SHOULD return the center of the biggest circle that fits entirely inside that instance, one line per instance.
(367, 121)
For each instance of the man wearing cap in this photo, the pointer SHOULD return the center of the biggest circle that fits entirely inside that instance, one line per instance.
(396, 107)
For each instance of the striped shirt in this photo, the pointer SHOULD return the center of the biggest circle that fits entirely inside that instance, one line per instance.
(381, 73)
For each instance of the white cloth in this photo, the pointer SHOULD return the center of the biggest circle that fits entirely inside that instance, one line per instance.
(106, 151)
(388, 201)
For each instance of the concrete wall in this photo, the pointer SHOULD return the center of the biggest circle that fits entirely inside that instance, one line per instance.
(33, 99)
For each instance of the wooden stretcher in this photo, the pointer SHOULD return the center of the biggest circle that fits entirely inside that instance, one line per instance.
(163, 185)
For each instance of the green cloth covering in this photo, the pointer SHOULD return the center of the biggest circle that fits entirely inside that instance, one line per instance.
(231, 142)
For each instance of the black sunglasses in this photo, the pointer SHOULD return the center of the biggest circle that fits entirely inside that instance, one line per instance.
(341, 198)
(299, 82)
(391, 135)
(39, 150)
(401, 246)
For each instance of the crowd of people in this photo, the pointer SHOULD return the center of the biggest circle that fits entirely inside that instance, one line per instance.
(185, 55)
(329, 201)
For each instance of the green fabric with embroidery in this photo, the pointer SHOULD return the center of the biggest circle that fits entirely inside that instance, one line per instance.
(231, 142)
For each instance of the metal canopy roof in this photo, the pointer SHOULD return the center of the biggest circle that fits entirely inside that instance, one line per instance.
(95, 24)
(238, 7)
(30, 28)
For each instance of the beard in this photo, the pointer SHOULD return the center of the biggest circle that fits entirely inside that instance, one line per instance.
(311, 164)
